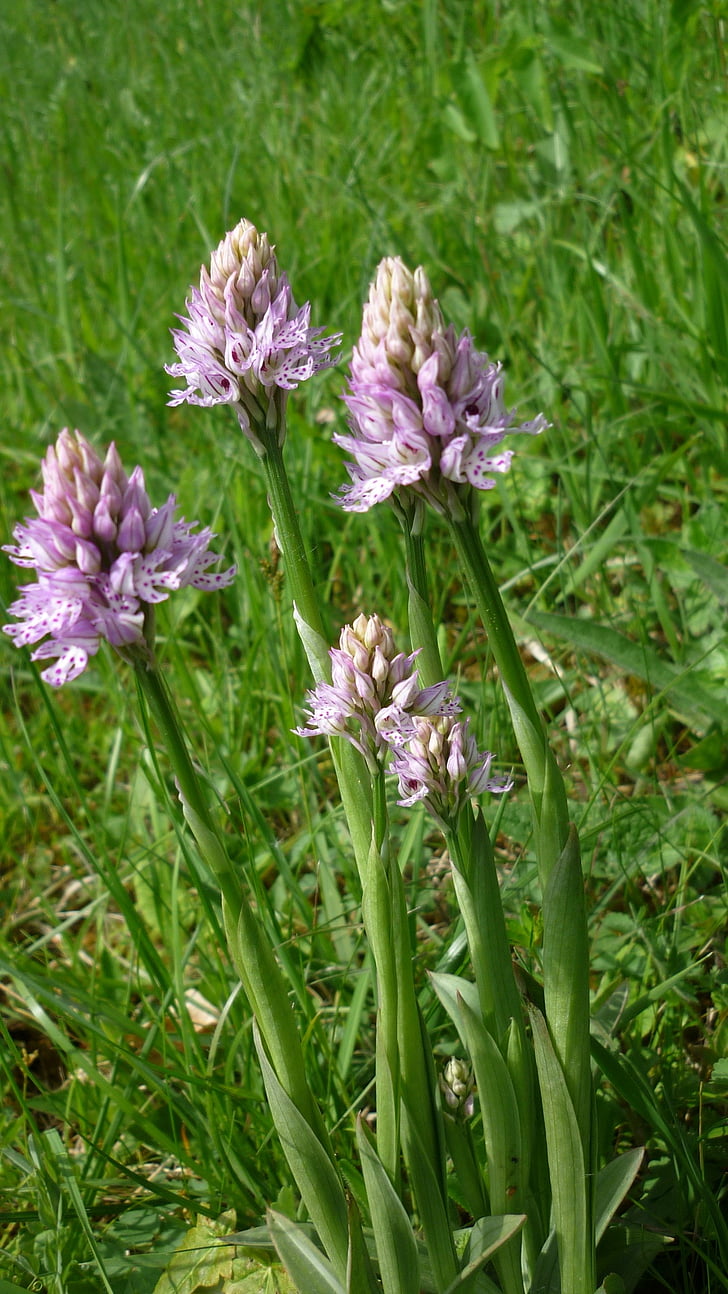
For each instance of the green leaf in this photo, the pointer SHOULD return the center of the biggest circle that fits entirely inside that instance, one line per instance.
(399, 1266)
(430, 1206)
(613, 1183)
(570, 1203)
(507, 216)
(317, 1180)
(709, 754)
(309, 1269)
(56, 1150)
(487, 1236)
(454, 119)
(691, 701)
(612, 1284)
(532, 80)
(476, 104)
(452, 991)
(711, 572)
(360, 1278)
(625, 1253)
(258, 1278)
(201, 1262)
(570, 53)
(499, 1108)
(566, 976)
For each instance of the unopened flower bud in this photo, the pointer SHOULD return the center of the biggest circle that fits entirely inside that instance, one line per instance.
(457, 1085)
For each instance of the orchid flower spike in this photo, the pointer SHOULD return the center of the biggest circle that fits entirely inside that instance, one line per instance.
(102, 556)
(426, 408)
(245, 342)
(437, 761)
(374, 689)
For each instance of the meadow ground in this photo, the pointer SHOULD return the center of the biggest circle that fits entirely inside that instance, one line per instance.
(561, 173)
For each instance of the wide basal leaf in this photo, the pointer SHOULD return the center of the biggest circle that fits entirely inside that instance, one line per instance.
(314, 1173)
(399, 1265)
(203, 1260)
(309, 1268)
(613, 1183)
(487, 1236)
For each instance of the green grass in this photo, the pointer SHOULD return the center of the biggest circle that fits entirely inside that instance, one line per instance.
(561, 172)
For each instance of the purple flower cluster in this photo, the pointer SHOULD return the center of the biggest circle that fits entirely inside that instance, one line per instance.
(376, 703)
(426, 408)
(245, 339)
(374, 691)
(102, 556)
(437, 761)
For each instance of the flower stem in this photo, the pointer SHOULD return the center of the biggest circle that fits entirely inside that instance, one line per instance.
(565, 940)
(295, 558)
(250, 950)
(546, 786)
(377, 910)
(421, 625)
(353, 779)
(156, 694)
(479, 900)
(407, 1103)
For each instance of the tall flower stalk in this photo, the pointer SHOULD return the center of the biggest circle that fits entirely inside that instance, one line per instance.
(373, 702)
(477, 891)
(104, 557)
(427, 423)
(235, 348)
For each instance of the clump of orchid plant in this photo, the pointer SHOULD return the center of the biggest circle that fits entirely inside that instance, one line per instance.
(427, 425)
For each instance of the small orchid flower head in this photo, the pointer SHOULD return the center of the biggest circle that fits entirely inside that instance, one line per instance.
(373, 688)
(244, 341)
(457, 1085)
(437, 761)
(103, 556)
(426, 408)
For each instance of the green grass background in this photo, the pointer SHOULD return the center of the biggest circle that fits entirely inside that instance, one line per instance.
(560, 170)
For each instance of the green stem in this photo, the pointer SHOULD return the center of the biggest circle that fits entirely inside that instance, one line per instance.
(565, 942)
(421, 625)
(192, 793)
(407, 1103)
(474, 873)
(250, 950)
(477, 890)
(251, 953)
(377, 908)
(546, 786)
(479, 900)
(295, 559)
(459, 1136)
(353, 778)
